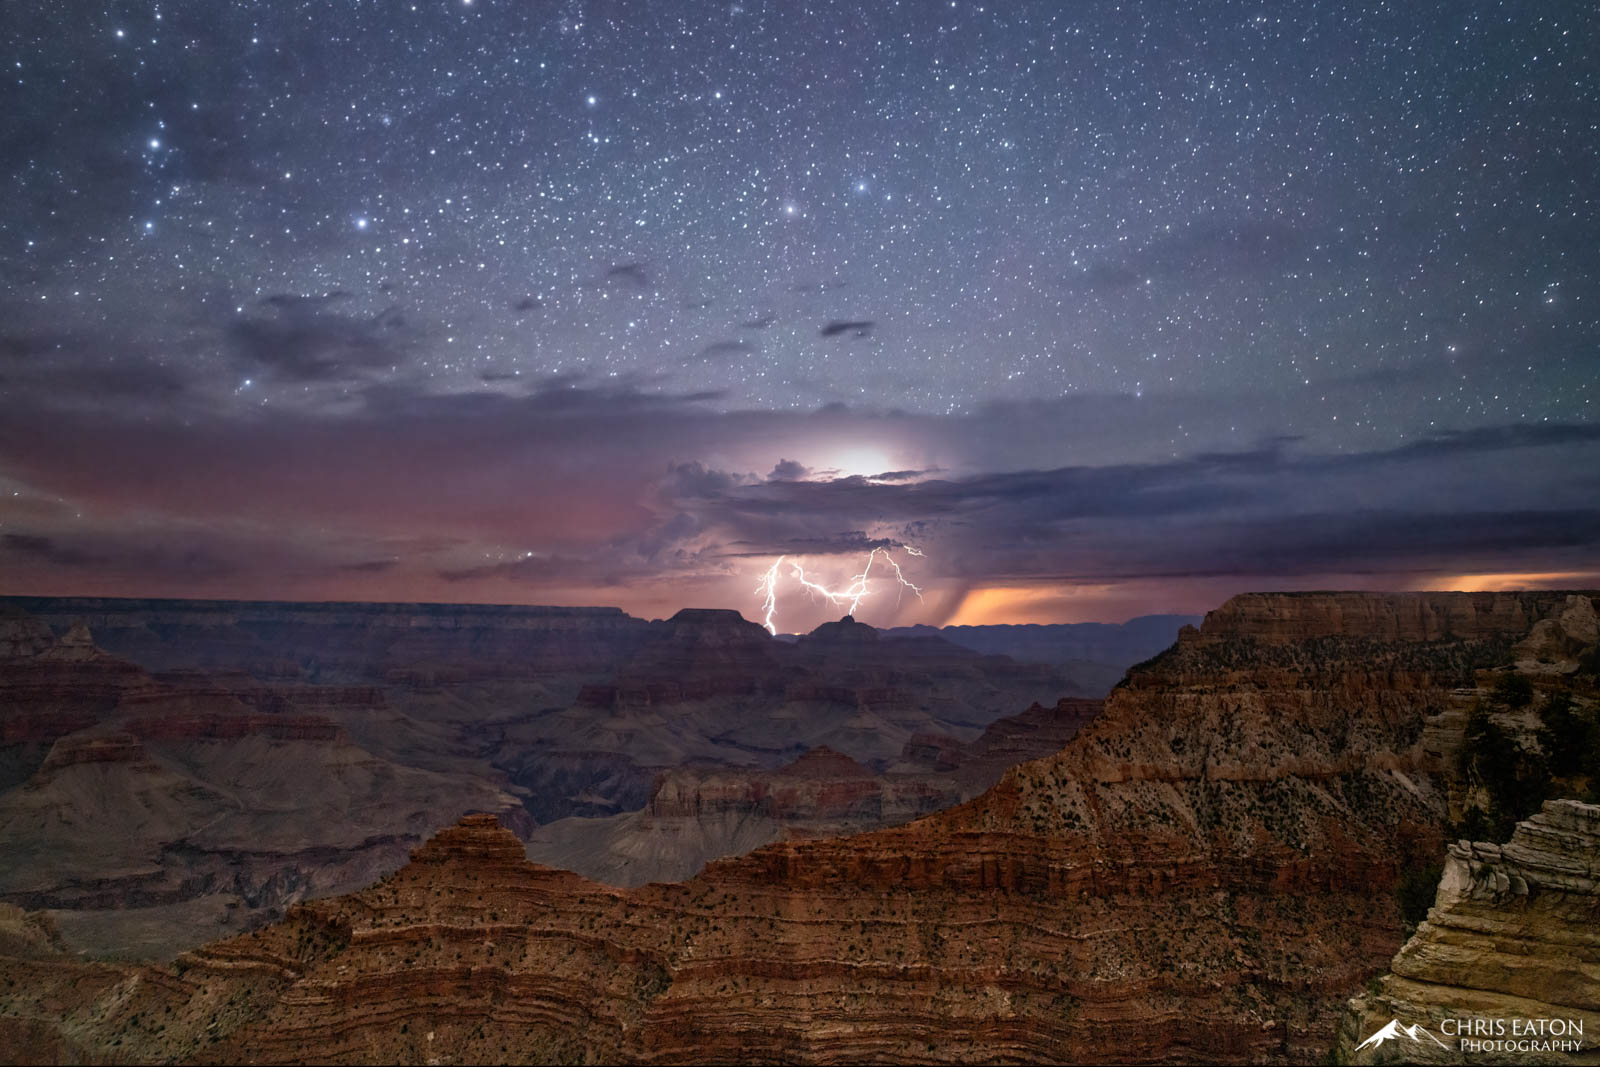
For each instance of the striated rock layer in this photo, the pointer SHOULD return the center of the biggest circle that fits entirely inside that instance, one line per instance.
(1204, 873)
(698, 814)
(1513, 937)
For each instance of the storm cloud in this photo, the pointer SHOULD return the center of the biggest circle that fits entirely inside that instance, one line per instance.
(577, 490)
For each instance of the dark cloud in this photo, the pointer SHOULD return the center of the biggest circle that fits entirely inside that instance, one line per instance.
(1316, 543)
(25, 345)
(628, 275)
(73, 369)
(45, 550)
(689, 481)
(853, 327)
(526, 304)
(609, 484)
(156, 558)
(1500, 438)
(844, 543)
(760, 322)
(303, 341)
(1263, 511)
(788, 470)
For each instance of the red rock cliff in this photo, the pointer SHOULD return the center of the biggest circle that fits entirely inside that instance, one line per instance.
(1204, 873)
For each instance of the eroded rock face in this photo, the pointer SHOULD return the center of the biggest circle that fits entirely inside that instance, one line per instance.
(1513, 937)
(695, 815)
(1204, 873)
(1557, 640)
(1410, 617)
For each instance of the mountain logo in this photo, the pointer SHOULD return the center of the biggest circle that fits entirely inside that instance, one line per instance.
(1393, 1031)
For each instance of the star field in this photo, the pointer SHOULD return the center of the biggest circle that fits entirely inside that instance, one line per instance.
(1025, 200)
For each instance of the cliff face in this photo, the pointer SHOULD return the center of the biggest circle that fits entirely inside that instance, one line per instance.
(1205, 872)
(1399, 617)
(1513, 937)
(695, 815)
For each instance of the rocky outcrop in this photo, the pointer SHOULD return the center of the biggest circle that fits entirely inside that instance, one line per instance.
(21, 634)
(1557, 640)
(1204, 873)
(1510, 952)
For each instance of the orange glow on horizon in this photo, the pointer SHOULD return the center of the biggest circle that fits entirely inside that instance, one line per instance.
(1499, 583)
(1016, 605)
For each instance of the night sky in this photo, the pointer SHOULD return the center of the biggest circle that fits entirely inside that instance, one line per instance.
(1104, 308)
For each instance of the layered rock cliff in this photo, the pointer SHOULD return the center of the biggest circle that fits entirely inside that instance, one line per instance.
(1205, 872)
(1508, 960)
(695, 815)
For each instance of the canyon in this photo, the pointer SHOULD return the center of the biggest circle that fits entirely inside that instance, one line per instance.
(1205, 871)
(174, 771)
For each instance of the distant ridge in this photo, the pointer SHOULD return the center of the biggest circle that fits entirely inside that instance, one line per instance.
(52, 605)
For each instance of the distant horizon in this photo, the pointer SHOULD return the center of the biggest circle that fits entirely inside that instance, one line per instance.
(744, 613)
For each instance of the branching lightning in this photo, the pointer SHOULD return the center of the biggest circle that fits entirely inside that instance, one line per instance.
(849, 596)
(768, 588)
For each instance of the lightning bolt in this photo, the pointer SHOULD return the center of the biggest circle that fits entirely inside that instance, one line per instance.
(768, 588)
(849, 596)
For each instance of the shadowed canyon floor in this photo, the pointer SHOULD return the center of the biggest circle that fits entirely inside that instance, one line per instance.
(1205, 872)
